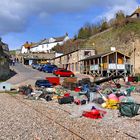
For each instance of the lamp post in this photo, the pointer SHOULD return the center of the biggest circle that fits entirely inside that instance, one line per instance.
(134, 49)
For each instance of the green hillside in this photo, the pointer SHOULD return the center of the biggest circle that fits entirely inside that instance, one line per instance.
(120, 37)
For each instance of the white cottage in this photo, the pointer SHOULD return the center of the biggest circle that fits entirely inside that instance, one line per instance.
(44, 45)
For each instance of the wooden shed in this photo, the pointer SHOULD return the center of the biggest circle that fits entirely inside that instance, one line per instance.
(107, 64)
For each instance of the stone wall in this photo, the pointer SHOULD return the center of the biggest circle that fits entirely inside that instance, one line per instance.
(4, 63)
(135, 55)
(4, 70)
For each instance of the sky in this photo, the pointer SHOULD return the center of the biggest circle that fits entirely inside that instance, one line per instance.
(33, 20)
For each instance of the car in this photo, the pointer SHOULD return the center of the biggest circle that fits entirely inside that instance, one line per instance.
(40, 67)
(43, 68)
(49, 68)
(64, 73)
(56, 68)
(35, 66)
(43, 83)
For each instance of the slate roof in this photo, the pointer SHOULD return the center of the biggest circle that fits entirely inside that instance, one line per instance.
(58, 39)
(44, 41)
(37, 43)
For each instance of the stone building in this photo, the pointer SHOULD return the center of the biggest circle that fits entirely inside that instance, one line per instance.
(33, 58)
(71, 60)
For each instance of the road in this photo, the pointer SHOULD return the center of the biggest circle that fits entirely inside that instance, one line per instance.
(26, 75)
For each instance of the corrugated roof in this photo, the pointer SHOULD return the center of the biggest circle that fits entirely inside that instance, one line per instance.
(95, 56)
(101, 55)
(73, 52)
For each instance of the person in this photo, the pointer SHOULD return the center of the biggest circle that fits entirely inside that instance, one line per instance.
(13, 62)
(17, 60)
(86, 89)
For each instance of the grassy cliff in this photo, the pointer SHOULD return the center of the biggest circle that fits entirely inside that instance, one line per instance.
(120, 37)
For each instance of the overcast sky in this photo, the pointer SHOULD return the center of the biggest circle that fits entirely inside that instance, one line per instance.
(32, 20)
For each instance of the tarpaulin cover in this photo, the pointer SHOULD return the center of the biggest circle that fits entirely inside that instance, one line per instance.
(94, 114)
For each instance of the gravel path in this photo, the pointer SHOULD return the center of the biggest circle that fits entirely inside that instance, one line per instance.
(18, 121)
(22, 119)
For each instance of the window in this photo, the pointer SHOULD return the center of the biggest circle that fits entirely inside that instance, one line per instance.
(76, 66)
(72, 66)
(42, 81)
(87, 53)
(68, 57)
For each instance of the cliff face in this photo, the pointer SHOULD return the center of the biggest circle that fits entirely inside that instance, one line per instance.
(125, 39)
(4, 61)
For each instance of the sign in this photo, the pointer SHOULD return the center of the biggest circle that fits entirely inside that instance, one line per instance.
(118, 66)
(112, 66)
(94, 67)
(113, 49)
(108, 71)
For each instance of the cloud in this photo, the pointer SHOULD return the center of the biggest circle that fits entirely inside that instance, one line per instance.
(16, 14)
(127, 8)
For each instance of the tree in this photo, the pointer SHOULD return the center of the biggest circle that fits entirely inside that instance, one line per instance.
(104, 25)
(84, 33)
(95, 29)
(111, 22)
(75, 37)
(120, 19)
(81, 33)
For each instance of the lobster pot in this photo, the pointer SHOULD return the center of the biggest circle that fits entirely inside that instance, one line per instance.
(66, 100)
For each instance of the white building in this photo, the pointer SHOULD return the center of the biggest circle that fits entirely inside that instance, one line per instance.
(44, 45)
